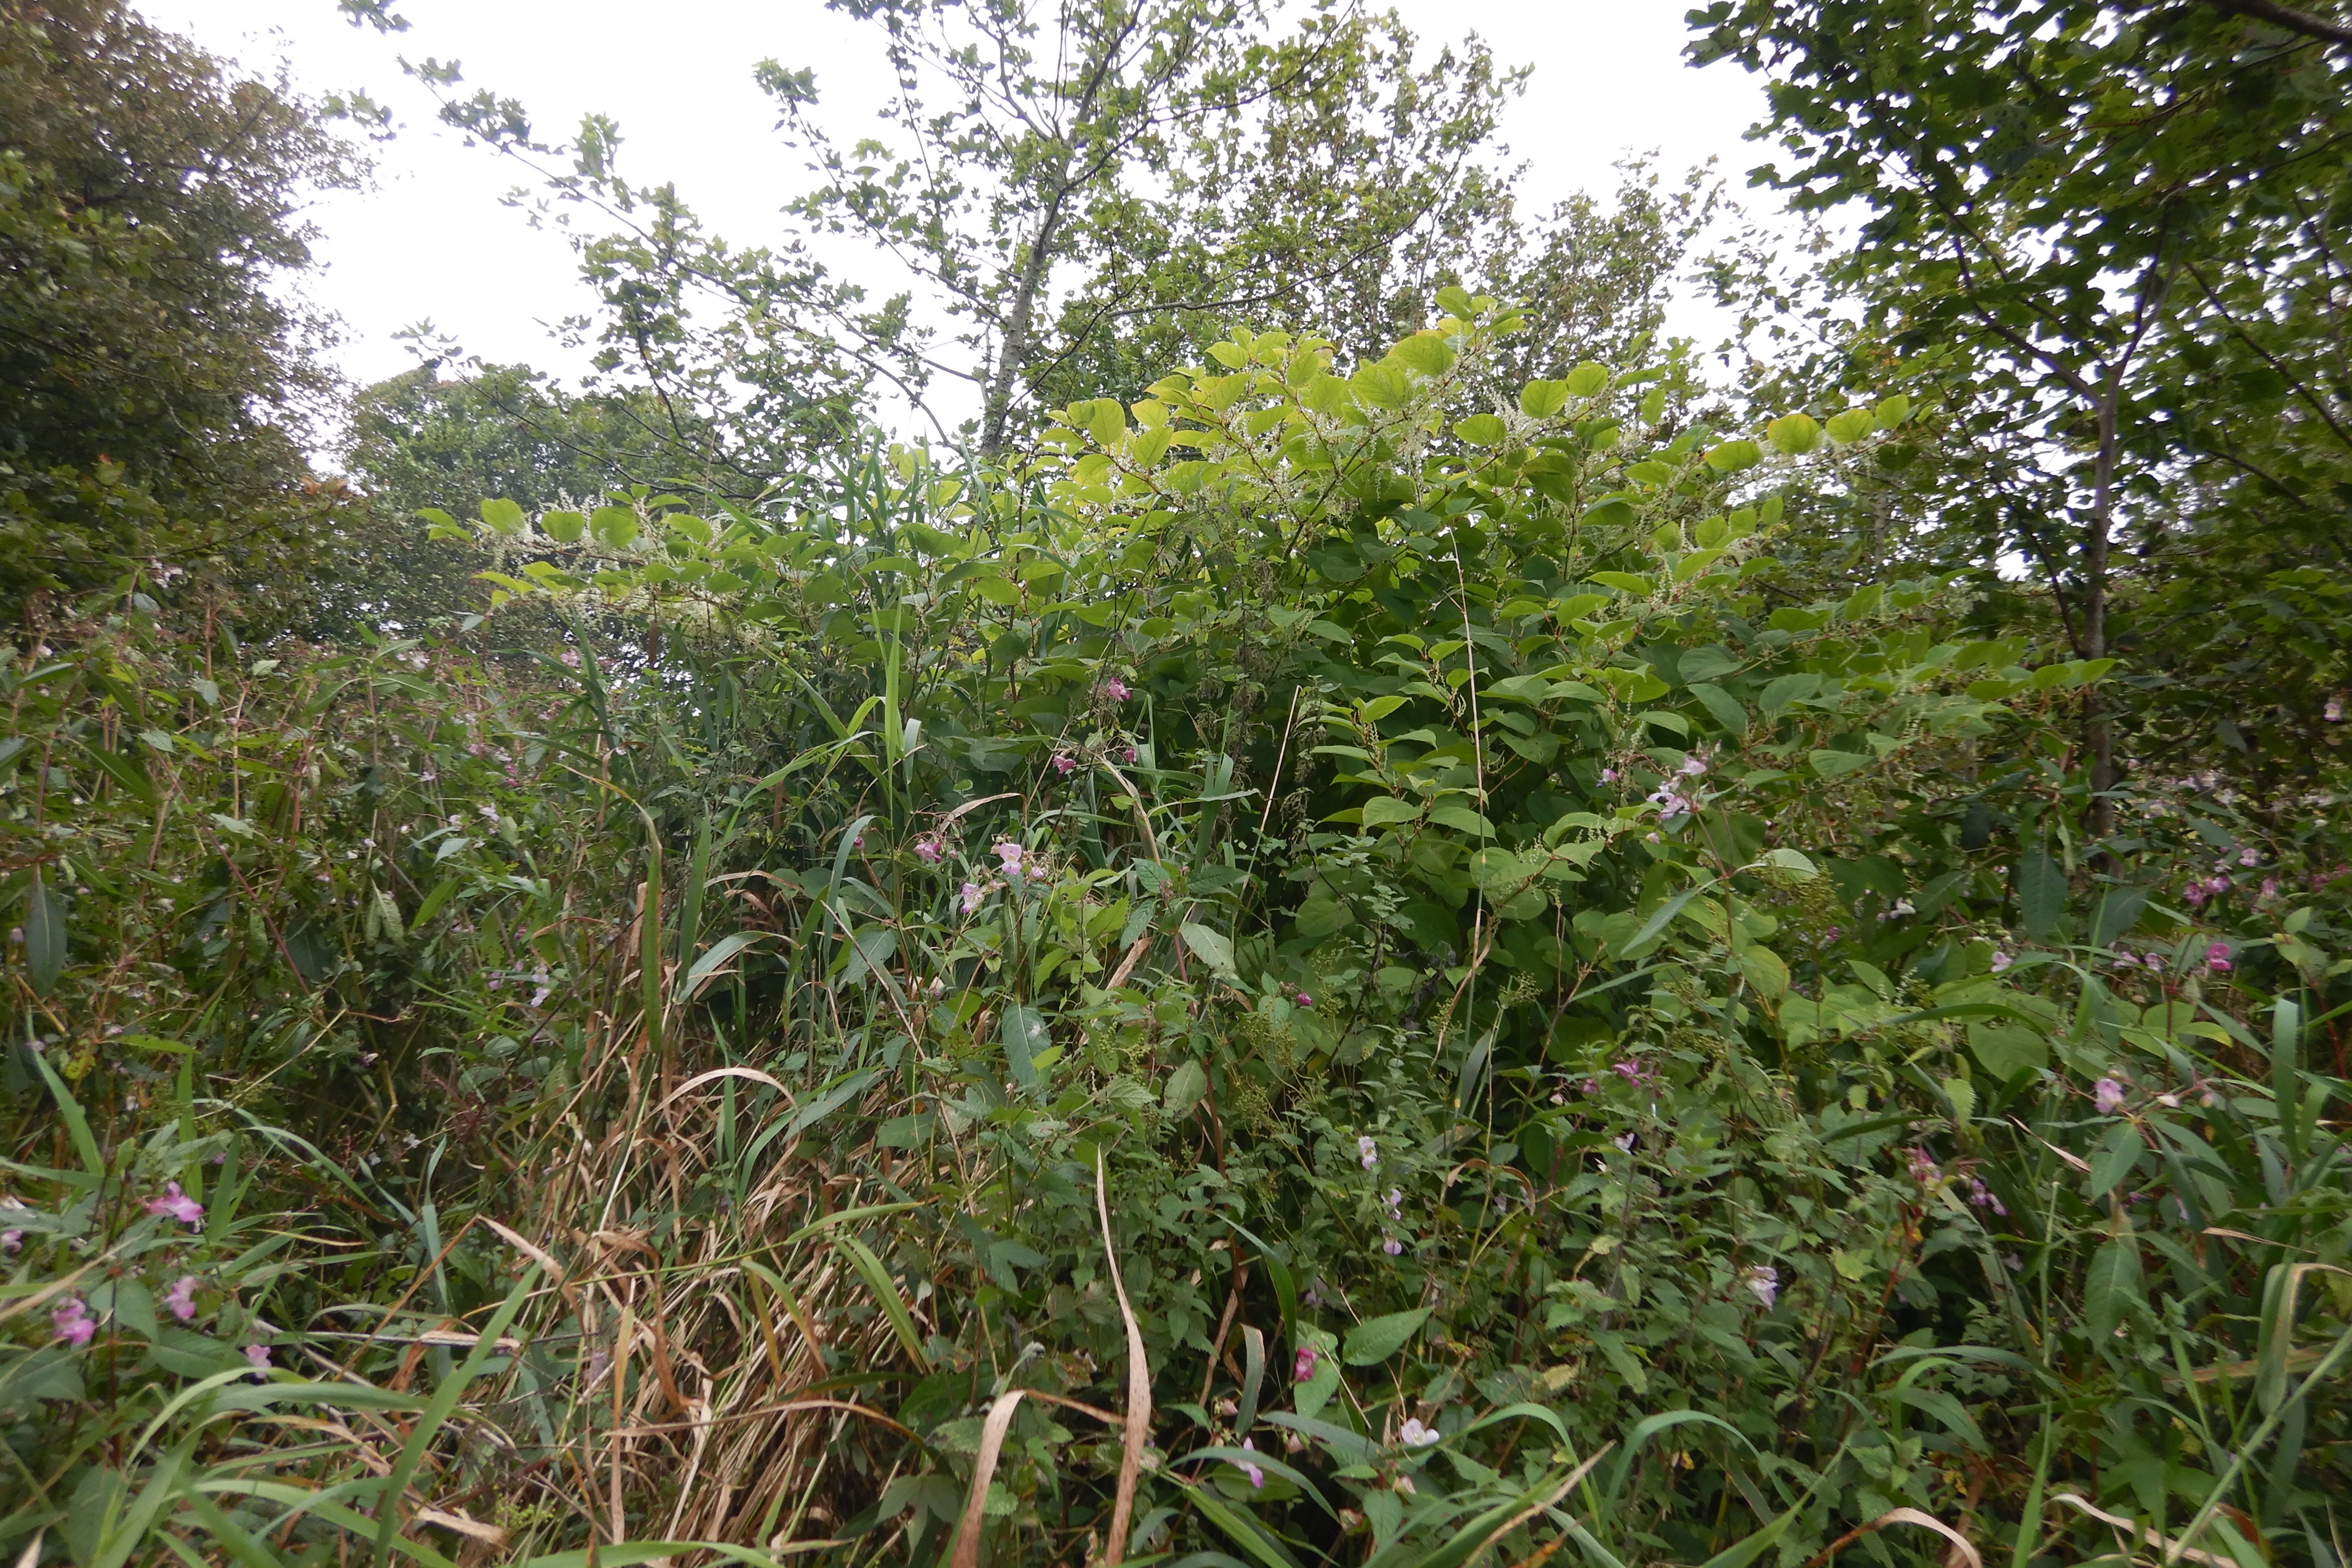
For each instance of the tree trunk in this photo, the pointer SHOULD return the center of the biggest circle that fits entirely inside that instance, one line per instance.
(1019, 328)
(2098, 724)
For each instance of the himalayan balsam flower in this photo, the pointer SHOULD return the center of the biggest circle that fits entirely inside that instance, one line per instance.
(1395, 1201)
(2001, 960)
(1367, 1152)
(2217, 958)
(72, 1322)
(258, 1355)
(930, 849)
(177, 1204)
(2250, 857)
(1302, 1366)
(1413, 1435)
(2108, 1095)
(1924, 1170)
(1115, 689)
(12, 1241)
(1256, 1477)
(1305, 1000)
(1984, 1197)
(971, 897)
(1011, 854)
(1764, 1283)
(1128, 755)
(1064, 763)
(1392, 1246)
(181, 1299)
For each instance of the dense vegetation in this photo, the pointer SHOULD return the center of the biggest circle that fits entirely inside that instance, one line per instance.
(1452, 947)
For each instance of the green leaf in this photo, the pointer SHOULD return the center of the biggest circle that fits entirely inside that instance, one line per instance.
(1426, 353)
(1463, 819)
(1733, 456)
(45, 935)
(1587, 379)
(1211, 949)
(1542, 399)
(1851, 425)
(615, 526)
(2041, 895)
(502, 516)
(2007, 1049)
(1893, 411)
(1025, 1038)
(563, 527)
(1658, 921)
(2118, 1153)
(1482, 430)
(1183, 1090)
(1375, 1340)
(2112, 1287)
(1837, 765)
(1794, 434)
(1722, 706)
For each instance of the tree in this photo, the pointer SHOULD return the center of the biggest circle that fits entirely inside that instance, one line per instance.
(148, 216)
(2113, 237)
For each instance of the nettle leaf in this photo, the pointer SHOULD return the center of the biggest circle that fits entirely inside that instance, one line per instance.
(1210, 948)
(1375, 1340)
(2112, 1287)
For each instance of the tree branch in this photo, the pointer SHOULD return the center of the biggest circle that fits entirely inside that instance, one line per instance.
(2287, 16)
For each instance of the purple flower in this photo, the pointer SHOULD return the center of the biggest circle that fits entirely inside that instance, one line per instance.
(1115, 689)
(971, 897)
(2193, 895)
(1128, 755)
(1413, 1435)
(2001, 961)
(2270, 888)
(1011, 854)
(72, 1322)
(1302, 1366)
(1924, 1170)
(2108, 1095)
(177, 1204)
(2217, 958)
(1256, 1477)
(1609, 775)
(2250, 857)
(1395, 1201)
(1694, 765)
(1392, 1246)
(1367, 1152)
(1062, 763)
(12, 1241)
(929, 847)
(1305, 1000)
(1984, 1197)
(1764, 1283)
(258, 1355)
(181, 1299)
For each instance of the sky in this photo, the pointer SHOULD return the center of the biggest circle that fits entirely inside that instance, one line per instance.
(430, 239)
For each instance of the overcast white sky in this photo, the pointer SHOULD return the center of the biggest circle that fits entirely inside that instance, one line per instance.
(432, 241)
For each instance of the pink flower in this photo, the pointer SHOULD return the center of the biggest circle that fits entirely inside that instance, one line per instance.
(1984, 1197)
(183, 1298)
(2270, 888)
(1609, 775)
(1395, 1201)
(1392, 1246)
(1764, 1283)
(1413, 1435)
(2108, 1095)
(12, 1241)
(2250, 857)
(1011, 854)
(2001, 961)
(72, 1322)
(1694, 765)
(1256, 1477)
(1305, 1000)
(1128, 755)
(258, 1355)
(930, 848)
(2217, 958)
(1063, 764)
(177, 1204)
(1115, 689)
(1368, 1152)
(971, 897)
(1302, 1366)
(1924, 1170)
